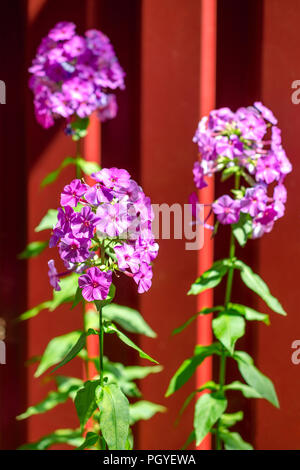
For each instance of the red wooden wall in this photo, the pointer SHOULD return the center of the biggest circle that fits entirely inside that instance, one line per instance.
(160, 44)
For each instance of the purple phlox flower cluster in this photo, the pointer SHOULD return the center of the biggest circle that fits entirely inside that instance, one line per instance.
(113, 216)
(246, 143)
(74, 75)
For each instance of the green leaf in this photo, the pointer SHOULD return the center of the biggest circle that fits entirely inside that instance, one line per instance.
(90, 440)
(56, 350)
(210, 385)
(114, 416)
(51, 177)
(228, 328)
(128, 318)
(116, 373)
(71, 437)
(87, 167)
(249, 313)
(34, 311)
(75, 350)
(67, 293)
(129, 441)
(189, 366)
(255, 283)
(79, 127)
(209, 408)
(248, 178)
(231, 170)
(243, 229)
(144, 410)
(110, 328)
(233, 441)
(48, 221)
(140, 372)
(230, 419)
(33, 249)
(68, 289)
(253, 377)
(78, 298)
(189, 440)
(68, 384)
(247, 391)
(85, 401)
(204, 311)
(210, 278)
(53, 399)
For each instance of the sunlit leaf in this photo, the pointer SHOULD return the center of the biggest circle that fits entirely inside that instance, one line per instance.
(128, 318)
(48, 221)
(33, 249)
(114, 416)
(144, 410)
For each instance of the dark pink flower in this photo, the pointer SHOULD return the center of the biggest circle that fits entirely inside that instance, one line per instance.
(95, 284)
(227, 210)
(72, 193)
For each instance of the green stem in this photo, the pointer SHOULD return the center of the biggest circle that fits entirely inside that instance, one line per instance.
(101, 341)
(85, 327)
(222, 373)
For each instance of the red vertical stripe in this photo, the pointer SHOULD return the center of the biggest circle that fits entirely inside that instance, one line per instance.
(207, 102)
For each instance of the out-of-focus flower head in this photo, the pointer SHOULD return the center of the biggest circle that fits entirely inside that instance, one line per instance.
(246, 144)
(73, 76)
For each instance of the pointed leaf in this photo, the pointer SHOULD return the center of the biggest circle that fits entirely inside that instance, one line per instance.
(85, 401)
(75, 350)
(230, 419)
(210, 385)
(114, 416)
(247, 391)
(189, 440)
(48, 221)
(33, 249)
(51, 177)
(128, 318)
(51, 401)
(262, 384)
(68, 290)
(204, 311)
(71, 437)
(210, 278)
(209, 408)
(243, 229)
(113, 329)
(233, 441)
(87, 167)
(228, 328)
(56, 350)
(144, 410)
(90, 440)
(140, 372)
(249, 313)
(34, 311)
(255, 283)
(189, 366)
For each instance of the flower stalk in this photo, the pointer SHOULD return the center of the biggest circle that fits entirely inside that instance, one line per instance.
(245, 144)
